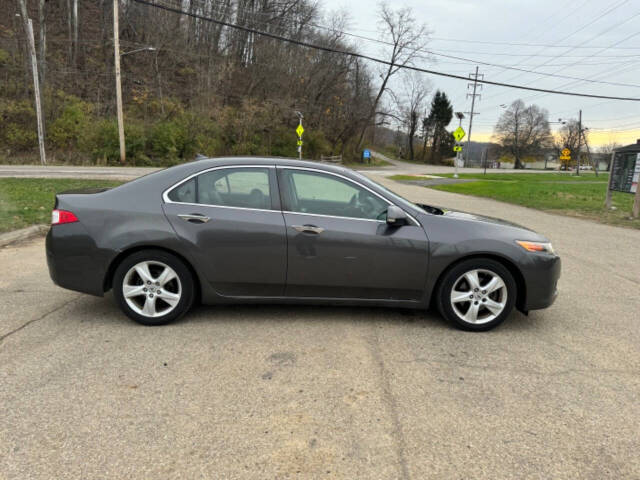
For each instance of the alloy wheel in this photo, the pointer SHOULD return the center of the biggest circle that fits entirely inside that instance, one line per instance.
(479, 296)
(152, 289)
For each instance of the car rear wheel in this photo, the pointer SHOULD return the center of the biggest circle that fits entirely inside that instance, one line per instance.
(153, 287)
(477, 294)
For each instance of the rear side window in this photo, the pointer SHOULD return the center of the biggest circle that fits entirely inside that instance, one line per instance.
(235, 187)
(185, 193)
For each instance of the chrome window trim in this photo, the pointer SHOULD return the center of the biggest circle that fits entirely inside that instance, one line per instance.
(351, 180)
(333, 216)
(226, 206)
(166, 199)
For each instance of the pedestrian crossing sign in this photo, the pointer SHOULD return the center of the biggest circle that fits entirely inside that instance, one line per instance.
(459, 134)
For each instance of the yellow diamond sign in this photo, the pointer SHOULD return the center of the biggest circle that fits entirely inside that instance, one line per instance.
(566, 152)
(458, 134)
(300, 130)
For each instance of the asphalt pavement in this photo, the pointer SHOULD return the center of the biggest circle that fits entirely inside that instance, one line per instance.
(396, 167)
(326, 392)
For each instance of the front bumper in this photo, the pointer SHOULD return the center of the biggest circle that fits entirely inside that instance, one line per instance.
(541, 277)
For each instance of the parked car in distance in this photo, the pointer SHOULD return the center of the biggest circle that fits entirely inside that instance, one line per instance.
(270, 230)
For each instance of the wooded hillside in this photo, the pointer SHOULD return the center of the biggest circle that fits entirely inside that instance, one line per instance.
(202, 88)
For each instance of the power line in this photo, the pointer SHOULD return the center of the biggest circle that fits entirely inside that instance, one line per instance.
(373, 59)
(517, 44)
(564, 54)
(472, 61)
(431, 51)
(541, 73)
(604, 73)
(560, 22)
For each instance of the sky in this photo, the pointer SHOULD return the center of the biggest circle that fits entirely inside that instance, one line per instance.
(587, 39)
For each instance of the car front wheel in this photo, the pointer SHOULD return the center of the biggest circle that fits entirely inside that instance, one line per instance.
(477, 294)
(153, 287)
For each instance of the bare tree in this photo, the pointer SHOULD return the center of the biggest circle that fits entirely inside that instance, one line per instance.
(407, 39)
(411, 104)
(608, 149)
(523, 130)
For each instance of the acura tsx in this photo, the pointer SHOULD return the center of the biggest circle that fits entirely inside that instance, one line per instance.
(270, 230)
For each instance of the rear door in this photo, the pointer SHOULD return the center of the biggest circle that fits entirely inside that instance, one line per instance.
(230, 219)
(340, 245)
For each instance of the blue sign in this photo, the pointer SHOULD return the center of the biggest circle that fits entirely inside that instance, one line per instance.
(366, 153)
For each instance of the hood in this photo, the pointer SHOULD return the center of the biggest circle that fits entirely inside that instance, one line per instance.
(482, 218)
(516, 230)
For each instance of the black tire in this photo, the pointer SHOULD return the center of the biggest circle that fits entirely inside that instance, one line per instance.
(452, 278)
(186, 286)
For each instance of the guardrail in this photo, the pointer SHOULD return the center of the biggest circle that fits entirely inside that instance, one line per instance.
(331, 159)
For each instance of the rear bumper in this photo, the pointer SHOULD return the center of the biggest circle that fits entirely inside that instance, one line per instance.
(541, 278)
(73, 259)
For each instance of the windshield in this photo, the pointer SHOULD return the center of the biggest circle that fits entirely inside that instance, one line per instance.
(396, 198)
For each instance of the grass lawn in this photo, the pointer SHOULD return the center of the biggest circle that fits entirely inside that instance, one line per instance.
(409, 178)
(536, 177)
(28, 201)
(373, 162)
(581, 196)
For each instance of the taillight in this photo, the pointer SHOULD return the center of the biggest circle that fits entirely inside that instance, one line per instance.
(58, 217)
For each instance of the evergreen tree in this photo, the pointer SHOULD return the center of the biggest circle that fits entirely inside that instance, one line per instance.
(439, 117)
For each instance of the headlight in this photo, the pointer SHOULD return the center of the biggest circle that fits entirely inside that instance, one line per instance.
(544, 247)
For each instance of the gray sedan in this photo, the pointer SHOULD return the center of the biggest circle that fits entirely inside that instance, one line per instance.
(239, 230)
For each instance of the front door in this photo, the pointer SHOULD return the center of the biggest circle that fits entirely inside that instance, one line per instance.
(339, 244)
(231, 220)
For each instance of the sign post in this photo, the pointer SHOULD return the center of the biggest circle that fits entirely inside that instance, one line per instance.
(458, 134)
(366, 155)
(299, 131)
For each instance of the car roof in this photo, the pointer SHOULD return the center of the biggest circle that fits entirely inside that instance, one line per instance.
(205, 163)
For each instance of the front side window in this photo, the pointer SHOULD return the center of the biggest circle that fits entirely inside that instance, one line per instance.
(235, 187)
(323, 194)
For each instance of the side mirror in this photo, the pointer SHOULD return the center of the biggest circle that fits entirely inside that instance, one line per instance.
(396, 216)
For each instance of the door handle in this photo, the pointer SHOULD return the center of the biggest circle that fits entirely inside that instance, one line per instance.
(194, 218)
(308, 229)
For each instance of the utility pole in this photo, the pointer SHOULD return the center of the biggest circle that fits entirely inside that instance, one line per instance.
(484, 160)
(116, 47)
(473, 104)
(579, 138)
(607, 201)
(36, 90)
(586, 144)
